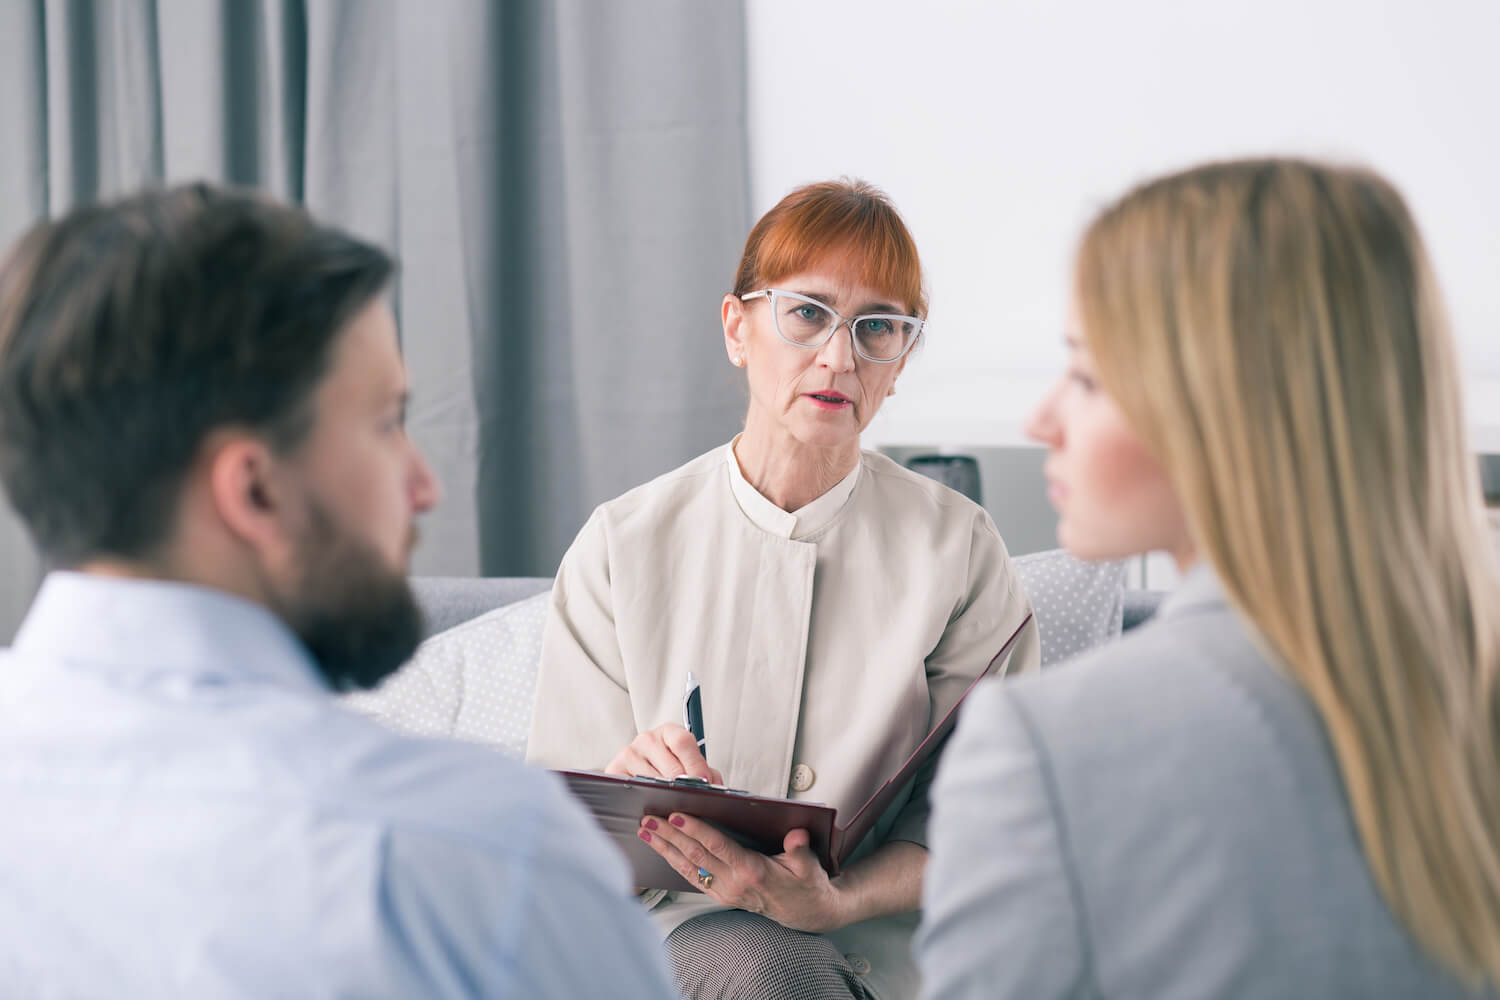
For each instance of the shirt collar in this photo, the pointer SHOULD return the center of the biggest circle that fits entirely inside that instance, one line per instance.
(800, 523)
(1199, 588)
(133, 626)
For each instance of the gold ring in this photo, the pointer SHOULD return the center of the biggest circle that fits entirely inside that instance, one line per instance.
(705, 879)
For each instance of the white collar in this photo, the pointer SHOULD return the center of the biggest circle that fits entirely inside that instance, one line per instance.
(137, 627)
(797, 525)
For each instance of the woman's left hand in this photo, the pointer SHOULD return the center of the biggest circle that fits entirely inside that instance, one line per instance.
(790, 888)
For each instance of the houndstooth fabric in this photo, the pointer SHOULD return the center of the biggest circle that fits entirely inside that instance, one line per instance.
(734, 955)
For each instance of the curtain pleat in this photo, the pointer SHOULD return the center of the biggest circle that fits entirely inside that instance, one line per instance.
(565, 184)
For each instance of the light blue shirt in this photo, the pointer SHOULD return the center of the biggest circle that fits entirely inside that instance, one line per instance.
(185, 812)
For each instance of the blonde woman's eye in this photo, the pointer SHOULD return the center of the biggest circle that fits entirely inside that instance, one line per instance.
(1082, 380)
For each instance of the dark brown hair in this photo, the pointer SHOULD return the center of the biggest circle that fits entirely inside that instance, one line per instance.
(129, 331)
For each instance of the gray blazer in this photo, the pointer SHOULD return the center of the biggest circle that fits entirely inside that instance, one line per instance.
(1162, 818)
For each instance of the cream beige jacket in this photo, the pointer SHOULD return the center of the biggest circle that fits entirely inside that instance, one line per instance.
(826, 642)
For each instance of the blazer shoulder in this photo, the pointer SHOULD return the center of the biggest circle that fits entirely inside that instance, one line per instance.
(1201, 676)
(665, 496)
(1191, 716)
(1184, 748)
(934, 515)
(896, 481)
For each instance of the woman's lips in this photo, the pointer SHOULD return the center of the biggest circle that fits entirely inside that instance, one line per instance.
(828, 400)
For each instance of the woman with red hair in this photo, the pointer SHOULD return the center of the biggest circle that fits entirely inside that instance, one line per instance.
(833, 604)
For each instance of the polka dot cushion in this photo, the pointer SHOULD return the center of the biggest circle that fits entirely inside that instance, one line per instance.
(474, 682)
(1078, 604)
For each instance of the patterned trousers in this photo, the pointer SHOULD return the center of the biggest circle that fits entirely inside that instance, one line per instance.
(734, 955)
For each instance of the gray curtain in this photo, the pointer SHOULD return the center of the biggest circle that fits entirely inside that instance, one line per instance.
(564, 182)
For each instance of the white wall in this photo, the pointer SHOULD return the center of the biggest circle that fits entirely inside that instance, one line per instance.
(998, 127)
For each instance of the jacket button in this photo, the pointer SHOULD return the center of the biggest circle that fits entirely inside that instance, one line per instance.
(802, 778)
(859, 964)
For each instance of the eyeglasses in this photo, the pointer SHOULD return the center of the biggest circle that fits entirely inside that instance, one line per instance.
(807, 322)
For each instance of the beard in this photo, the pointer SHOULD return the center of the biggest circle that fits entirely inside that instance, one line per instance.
(357, 617)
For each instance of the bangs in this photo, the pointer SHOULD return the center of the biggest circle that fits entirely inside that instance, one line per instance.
(847, 229)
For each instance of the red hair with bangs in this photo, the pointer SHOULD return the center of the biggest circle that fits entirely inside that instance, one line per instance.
(819, 222)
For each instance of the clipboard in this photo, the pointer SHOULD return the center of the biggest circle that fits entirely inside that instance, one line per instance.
(755, 821)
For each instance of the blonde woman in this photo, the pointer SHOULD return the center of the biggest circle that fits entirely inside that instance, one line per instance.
(1289, 784)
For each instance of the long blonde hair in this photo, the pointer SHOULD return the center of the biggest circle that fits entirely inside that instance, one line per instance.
(1273, 331)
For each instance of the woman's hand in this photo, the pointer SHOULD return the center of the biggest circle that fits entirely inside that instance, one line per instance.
(664, 752)
(790, 888)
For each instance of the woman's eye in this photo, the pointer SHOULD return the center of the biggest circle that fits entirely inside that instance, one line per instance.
(809, 314)
(1082, 380)
(878, 327)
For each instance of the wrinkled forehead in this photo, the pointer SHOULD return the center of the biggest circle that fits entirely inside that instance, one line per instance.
(853, 272)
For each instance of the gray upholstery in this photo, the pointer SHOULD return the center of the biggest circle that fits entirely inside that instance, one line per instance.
(476, 680)
(447, 601)
(1140, 605)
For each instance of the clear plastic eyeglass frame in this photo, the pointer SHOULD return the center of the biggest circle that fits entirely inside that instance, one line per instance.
(840, 320)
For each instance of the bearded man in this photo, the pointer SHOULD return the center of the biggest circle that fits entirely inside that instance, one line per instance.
(202, 405)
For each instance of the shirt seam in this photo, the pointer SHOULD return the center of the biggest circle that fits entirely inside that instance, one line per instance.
(813, 537)
(326, 809)
(1089, 972)
(683, 473)
(940, 494)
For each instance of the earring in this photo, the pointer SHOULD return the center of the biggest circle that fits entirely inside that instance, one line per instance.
(739, 360)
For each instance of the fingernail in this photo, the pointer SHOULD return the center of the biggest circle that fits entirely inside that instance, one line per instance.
(651, 824)
(678, 821)
(645, 836)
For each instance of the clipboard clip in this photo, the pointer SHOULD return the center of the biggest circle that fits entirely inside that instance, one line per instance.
(693, 781)
(689, 781)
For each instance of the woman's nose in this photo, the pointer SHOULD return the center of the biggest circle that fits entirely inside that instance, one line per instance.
(1043, 424)
(838, 352)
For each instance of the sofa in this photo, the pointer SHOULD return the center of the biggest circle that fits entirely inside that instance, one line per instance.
(473, 677)
(447, 601)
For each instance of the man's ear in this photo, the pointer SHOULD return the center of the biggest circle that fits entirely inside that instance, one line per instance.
(247, 493)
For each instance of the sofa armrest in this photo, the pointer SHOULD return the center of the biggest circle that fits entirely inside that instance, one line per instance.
(1140, 605)
(447, 601)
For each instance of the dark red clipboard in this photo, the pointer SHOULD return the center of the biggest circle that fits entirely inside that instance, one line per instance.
(756, 821)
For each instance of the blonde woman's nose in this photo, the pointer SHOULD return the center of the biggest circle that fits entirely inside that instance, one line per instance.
(1043, 424)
